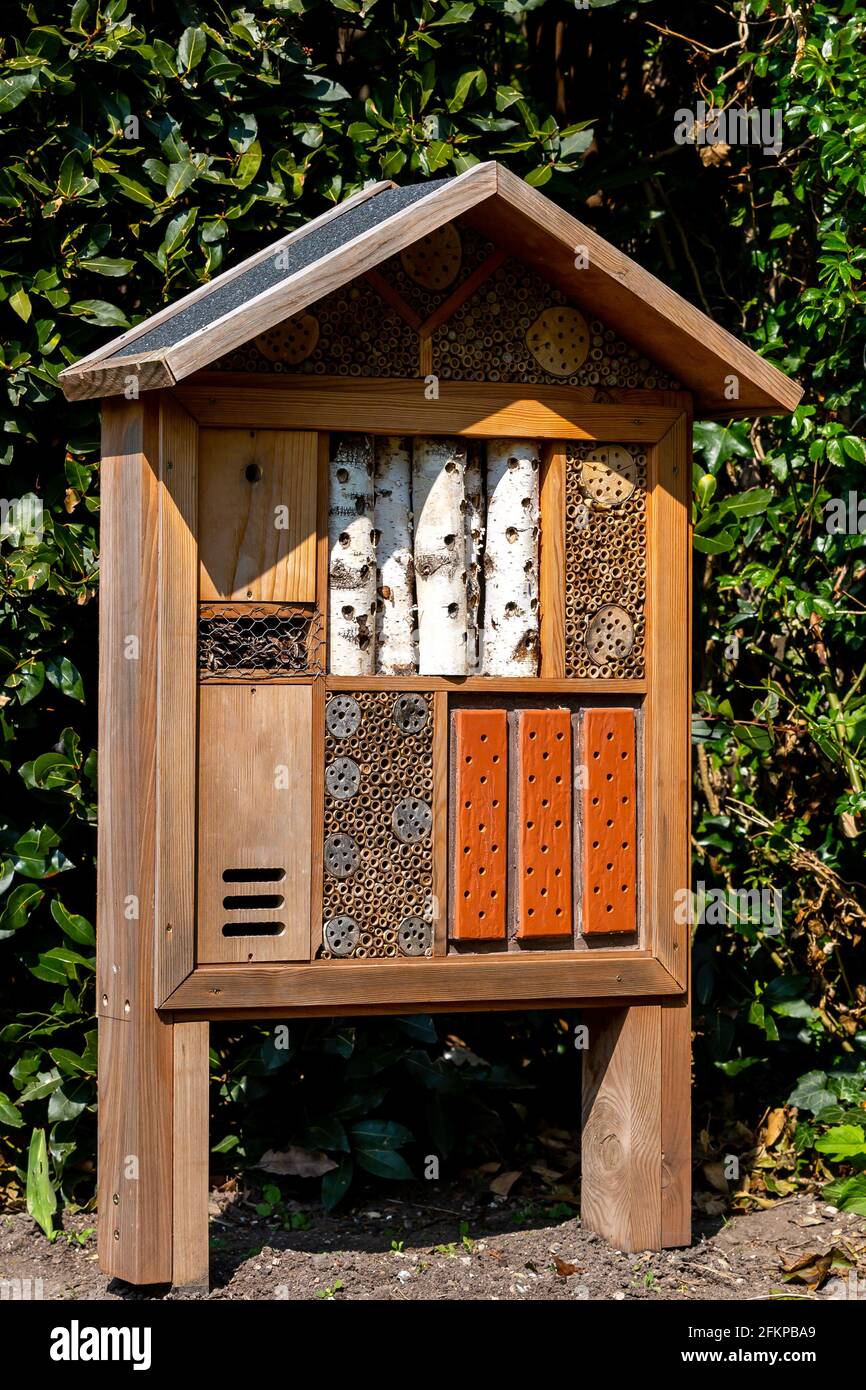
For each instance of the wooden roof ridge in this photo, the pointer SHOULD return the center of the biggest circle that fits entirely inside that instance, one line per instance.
(726, 376)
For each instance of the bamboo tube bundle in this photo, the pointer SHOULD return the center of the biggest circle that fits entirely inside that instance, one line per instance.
(438, 492)
(605, 571)
(511, 632)
(352, 563)
(396, 633)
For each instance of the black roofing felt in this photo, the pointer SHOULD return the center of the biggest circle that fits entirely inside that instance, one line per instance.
(263, 276)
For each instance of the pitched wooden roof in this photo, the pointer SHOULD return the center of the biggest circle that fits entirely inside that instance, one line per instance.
(356, 236)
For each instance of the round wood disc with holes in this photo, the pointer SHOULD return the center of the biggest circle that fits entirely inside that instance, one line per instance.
(410, 713)
(412, 820)
(342, 855)
(559, 340)
(342, 716)
(292, 341)
(415, 937)
(343, 778)
(341, 935)
(610, 476)
(609, 635)
(434, 260)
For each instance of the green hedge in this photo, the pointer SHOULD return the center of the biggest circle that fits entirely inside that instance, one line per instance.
(142, 148)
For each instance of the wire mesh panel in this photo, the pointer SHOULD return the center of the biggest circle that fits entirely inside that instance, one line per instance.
(258, 640)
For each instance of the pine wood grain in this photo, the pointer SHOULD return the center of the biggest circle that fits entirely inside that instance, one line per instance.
(621, 1180)
(191, 1156)
(376, 405)
(244, 553)
(177, 693)
(457, 981)
(255, 774)
(135, 1045)
(668, 704)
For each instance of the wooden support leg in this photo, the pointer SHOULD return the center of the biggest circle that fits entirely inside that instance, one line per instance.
(191, 1150)
(636, 1170)
(153, 1150)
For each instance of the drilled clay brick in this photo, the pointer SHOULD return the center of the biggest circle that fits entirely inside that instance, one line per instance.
(610, 823)
(480, 791)
(544, 823)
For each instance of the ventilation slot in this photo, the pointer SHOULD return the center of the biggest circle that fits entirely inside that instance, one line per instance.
(610, 856)
(481, 825)
(544, 823)
(253, 928)
(253, 875)
(250, 901)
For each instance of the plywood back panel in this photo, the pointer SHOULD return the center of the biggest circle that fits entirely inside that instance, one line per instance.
(610, 822)
(254, 845)
(257, 515)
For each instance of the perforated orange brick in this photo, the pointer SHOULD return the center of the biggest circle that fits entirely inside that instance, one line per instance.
(544, 823)
(481, 826)
(610, 823)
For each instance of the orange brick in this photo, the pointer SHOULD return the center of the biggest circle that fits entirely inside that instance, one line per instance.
(481, 825)
(610, 822)
(544, 823)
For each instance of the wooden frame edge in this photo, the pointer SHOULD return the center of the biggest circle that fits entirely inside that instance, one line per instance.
(446, 984)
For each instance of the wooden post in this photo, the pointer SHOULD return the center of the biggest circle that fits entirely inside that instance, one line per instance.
(636, 1150)
(152, 1178)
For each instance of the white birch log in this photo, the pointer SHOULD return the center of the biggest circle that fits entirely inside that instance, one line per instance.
(396, 637)
(473, 517)
(352, 564)
(511, 642)
(438, 472)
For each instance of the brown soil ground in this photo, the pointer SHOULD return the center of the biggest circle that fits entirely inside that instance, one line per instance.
(462, 1246)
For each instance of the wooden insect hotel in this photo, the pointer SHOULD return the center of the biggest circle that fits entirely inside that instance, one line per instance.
(394, 704)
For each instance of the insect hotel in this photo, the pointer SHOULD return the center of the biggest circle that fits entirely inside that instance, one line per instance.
(394, 703)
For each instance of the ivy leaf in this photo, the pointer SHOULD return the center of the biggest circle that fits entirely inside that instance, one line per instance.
(843, 1143)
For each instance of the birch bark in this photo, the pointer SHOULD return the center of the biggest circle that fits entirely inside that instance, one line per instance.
(352, 563)
(511, 640)
(474, 533)
(396, 635)
(438, 474)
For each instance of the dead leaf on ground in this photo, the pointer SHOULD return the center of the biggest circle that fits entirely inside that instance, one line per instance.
(504, 1183)
(813, 1269)
(548, 1175)
(774, 1127)
(294, 1162)
(564, 1269)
